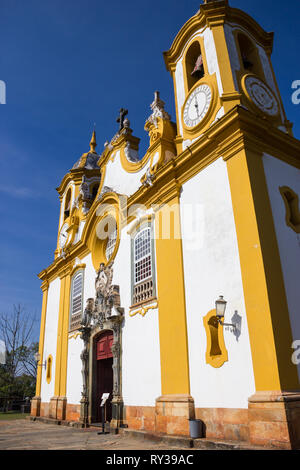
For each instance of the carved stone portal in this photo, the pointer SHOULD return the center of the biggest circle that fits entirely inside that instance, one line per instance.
(101, 314)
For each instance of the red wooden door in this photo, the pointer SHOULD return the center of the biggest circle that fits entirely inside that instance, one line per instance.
(104, 345)
(104, 372)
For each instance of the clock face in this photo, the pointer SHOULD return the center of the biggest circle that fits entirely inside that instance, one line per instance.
(197, 105)
(261, 95)
(63, 235)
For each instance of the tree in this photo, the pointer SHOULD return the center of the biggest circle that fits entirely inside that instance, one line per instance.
(19, 373)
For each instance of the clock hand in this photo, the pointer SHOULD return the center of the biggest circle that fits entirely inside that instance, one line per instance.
(197, 106)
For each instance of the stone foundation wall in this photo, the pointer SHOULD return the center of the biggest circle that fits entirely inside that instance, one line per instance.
(271, 420)
(71, 413)
(224, 423)
(229, 424)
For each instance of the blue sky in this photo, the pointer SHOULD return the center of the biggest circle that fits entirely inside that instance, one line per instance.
(68, 64)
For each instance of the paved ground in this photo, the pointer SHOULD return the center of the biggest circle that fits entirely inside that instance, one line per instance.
(33, 435)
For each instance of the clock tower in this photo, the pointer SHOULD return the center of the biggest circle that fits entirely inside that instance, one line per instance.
(221, 58)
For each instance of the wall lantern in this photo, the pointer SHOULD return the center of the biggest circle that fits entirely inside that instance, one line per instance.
(220, 311)
(37, 357)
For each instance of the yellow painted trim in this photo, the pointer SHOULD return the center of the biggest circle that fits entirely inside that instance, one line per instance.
(253, 106)
(224, 137)
(98, 246)
(49, 368)
(216, 353)
(230, 96)
(172, 311)
(215, 105)
(62, 336)
(77, 268)
(65, 334)
(75, 335)
(139, 222)
(200, 41)
(59, 338)
(264, 291)
(291, 213)
(132, 167)
(143, 310)
(45, 288)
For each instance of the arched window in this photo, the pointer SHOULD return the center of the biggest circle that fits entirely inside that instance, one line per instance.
(194, 64)
(249, 55)
(67, 204)
(76, 300)
(143, 268)
(111, 243)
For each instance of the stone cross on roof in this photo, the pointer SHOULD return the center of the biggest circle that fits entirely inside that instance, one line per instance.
(122, 113)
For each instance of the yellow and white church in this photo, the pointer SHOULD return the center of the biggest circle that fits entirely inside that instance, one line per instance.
(175, 282)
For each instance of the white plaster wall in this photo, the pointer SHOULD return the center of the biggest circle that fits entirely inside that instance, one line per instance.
(233, 53)
(141, 379)
(74, 377)
(120, 180)
(211, 269)
(279, 174)
(211, 57)
(50, 341)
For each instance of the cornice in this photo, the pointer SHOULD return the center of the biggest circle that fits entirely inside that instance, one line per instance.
(239, 129)
(75, 175)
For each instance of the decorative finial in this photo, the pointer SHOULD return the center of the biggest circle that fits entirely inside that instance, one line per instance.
(158, 110)
(93, 143)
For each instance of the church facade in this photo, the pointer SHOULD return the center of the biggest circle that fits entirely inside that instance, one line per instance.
(174, 286)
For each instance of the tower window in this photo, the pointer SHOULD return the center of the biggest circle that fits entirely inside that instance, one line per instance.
(76, 300)
(194, 64)
(249, 56)
(67, 204)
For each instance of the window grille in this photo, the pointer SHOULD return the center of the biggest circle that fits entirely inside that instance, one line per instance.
(111, 243)
(143, 288)
(76, 301)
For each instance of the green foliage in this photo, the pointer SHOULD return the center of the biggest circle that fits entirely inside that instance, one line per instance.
(18, 374)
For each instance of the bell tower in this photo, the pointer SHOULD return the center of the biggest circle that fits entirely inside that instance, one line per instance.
(221, 58)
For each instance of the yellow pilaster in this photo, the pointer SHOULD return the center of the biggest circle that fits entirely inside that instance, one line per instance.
(62, 337)
(64, 346)
(230, 96)
(59, 338)
(45, 287)
(264, 291)
(171, 299)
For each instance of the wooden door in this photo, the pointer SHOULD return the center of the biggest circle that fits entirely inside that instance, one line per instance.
(104, 373)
